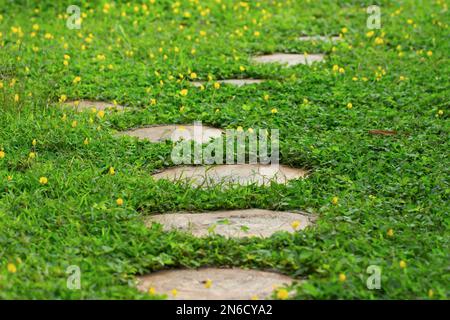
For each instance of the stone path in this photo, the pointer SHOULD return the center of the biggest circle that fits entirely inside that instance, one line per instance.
(82, 105)
(235, 223)
(229, 175)
(174, 133)
(213, 284)
(289, 59)
(320, 38)
(234, 82)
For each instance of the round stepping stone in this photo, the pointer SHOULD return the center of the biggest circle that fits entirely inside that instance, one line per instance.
(174, 133)
(320, 38)
(235, 223)
(226, 175)
(214, 283)
(234, 82)
(289, 59)
(82, 105)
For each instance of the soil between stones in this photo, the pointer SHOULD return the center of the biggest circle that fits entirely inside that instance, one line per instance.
(289, 59)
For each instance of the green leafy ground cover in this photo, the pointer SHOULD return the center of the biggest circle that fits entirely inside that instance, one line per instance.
(142, 54)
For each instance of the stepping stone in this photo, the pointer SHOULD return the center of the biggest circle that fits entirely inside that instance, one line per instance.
(174, 133)
(214, 283)
(234, 82)
(320, 38)
(243, 174)
(235, 223)
(82, 105)
(289, 59)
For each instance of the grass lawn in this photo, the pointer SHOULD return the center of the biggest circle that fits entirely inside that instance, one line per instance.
(379, 199)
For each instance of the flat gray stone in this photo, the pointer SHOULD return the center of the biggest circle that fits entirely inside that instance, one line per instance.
(234, 82)
(214, 283)
(174, 133)
(235, 223)
(228, 175)
(320, 38)
(82, 105)
(289, 59)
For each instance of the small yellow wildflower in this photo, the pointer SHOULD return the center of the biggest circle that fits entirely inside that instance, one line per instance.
(74, 123)
(86, 141)
(430, 293)
(216, 85)
(295, 224)
(34, 142)
(341, 70)
(266, 97)
(32, 155)
(429, 53)
(43, 180)
(402, 264)
(1, 85)
(151, 291)
(112, 171)
(390, 233)
(254, 297)
(344, 30)
(193, 75)
(440, 112)
(335, 200)
(2, 154)
(63, 98)
(282, 294)
(208, 283)
(274, 110)
(370, 34)
(256, 33)
(101, 113)
(242, 68)
(335, 68)
(11, 268)
(184, 92)
(174, 292)
(76, 80)
(119, 201)
(342, 277)
(349, 105)
(16, 98)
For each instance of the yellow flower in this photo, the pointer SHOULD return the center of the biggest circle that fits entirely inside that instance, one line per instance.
(112, 171)
(344, 30)
(256, 33)
(349, 105)
(282, 294)
(430, 293)
(429, 53)
(266, 97)
(402, 78)
(342, 277)
(208, 284)
(410, 21)
(2, 154)
(440, 112)
(151, 291)
(1, 85)
(274, 110)
(341, 70)
(119, 201)
(390, 233)
(74, 123)
(295, 224)
(11, 268)
(35, 27)
(184, 92)
(216, 85)
(9, 178)
(193, 75)
(43, 180)
(101, 113)
(335, 200)
(152, 102)
(76, 80)
(402, 264)
(174, 292)
(32, 155)
(242, 68)
(335, 68)
(86, 141)
(379, 40)
(254, 297)
(34, 142)
(370, 34)
(63, 98)
(16, 98)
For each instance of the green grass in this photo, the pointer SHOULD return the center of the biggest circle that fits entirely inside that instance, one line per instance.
(397, 182)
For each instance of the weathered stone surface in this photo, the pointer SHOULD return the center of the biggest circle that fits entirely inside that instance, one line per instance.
(175, 133)
(235, 223)
(320, 38)
(289, 59)
(227, 175)
(235, 82)
(214, 283)
(81, 105)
